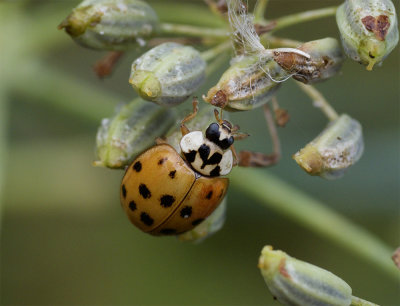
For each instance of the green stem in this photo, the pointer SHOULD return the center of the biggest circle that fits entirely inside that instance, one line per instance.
(298, 206)
(215, 51)
(290, 20)
(356, 301)
(319, 101)
(189, 30)
(58, 90)
(259, 10)
(273, 41)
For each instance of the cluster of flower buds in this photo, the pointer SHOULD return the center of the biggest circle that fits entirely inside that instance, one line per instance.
(333, 151)
(246, 84)
(295, 282)
(325, 60)
(132, 130)
(168, 74)
(111, 24)
(368, 29)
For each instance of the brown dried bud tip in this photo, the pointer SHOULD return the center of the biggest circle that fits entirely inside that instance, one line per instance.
(379, 25)
(281, 117)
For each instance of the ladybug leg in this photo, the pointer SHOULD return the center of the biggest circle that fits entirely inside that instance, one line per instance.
(281, 115)
(235, 156)
(257, 159)
(160, 140)
(189, 117)
(105, 66)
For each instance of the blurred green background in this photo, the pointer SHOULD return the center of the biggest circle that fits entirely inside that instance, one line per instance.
(64, 237)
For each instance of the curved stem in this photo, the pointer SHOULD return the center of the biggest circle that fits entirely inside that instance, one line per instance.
(189, 30)
(259, 10)
(290, 20)
(319, 101)
(300, 207)
(215, 51)
(356, 301)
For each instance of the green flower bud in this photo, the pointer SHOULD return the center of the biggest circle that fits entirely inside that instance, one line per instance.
(131, 131)
(168, 74)
(295, 282)
(205, 116)
(246, 84)
(333, 151)
(208, 227)
(111, 24)
(368, 29)
(325, 60)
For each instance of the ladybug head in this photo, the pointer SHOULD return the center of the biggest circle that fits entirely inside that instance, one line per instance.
(220, 134)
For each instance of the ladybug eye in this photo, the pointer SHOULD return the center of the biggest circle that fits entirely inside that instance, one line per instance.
(213, 133)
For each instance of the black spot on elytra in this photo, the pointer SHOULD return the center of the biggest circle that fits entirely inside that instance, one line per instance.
(190, 157)
(167, 200)
(144, 191)
(197, 222)
(215, 171)
(123, 191)
(172, 174)
(146, 219)
(209, 195)
(162, 160)
(137, 166)
(168, 231)
(186, 212)
(132, 205)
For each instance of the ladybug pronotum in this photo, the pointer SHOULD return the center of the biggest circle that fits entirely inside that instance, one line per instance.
(164, 193)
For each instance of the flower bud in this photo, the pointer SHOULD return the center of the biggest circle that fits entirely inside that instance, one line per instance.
(333, 151)
(325, 60)
(208, 227)
(168, 74)
(111, 24)
(246, 84)
(205, 116)
(368, 30)
(132, 130)
(295, 282)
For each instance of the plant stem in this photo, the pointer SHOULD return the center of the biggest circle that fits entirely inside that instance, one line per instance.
(356, 301)
(273, 41)
(298, 206)
(319, 101)
(215, 51)
(290, 20)
(189, 30)
(259, 10)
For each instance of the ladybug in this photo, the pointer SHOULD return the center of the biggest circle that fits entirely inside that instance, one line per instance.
(165, 193)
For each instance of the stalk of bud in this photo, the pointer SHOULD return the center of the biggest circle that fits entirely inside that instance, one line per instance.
(368, 29)
(333, 151)
(131, 131)
(295, 282)
(168, 74)
(111, 24)
(325, 60)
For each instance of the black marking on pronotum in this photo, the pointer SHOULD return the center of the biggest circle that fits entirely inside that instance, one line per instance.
(168, 231)
(123, 191)
(162, 160)
(137, 166)
(213, 133)
(204, 151)
(209, 195)
(144, 191)
(172, 174)
(190, 157)
(186, 212)
(197, 222)
(215, 171)
(132, 205)
(146, 219)
(167, 200)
